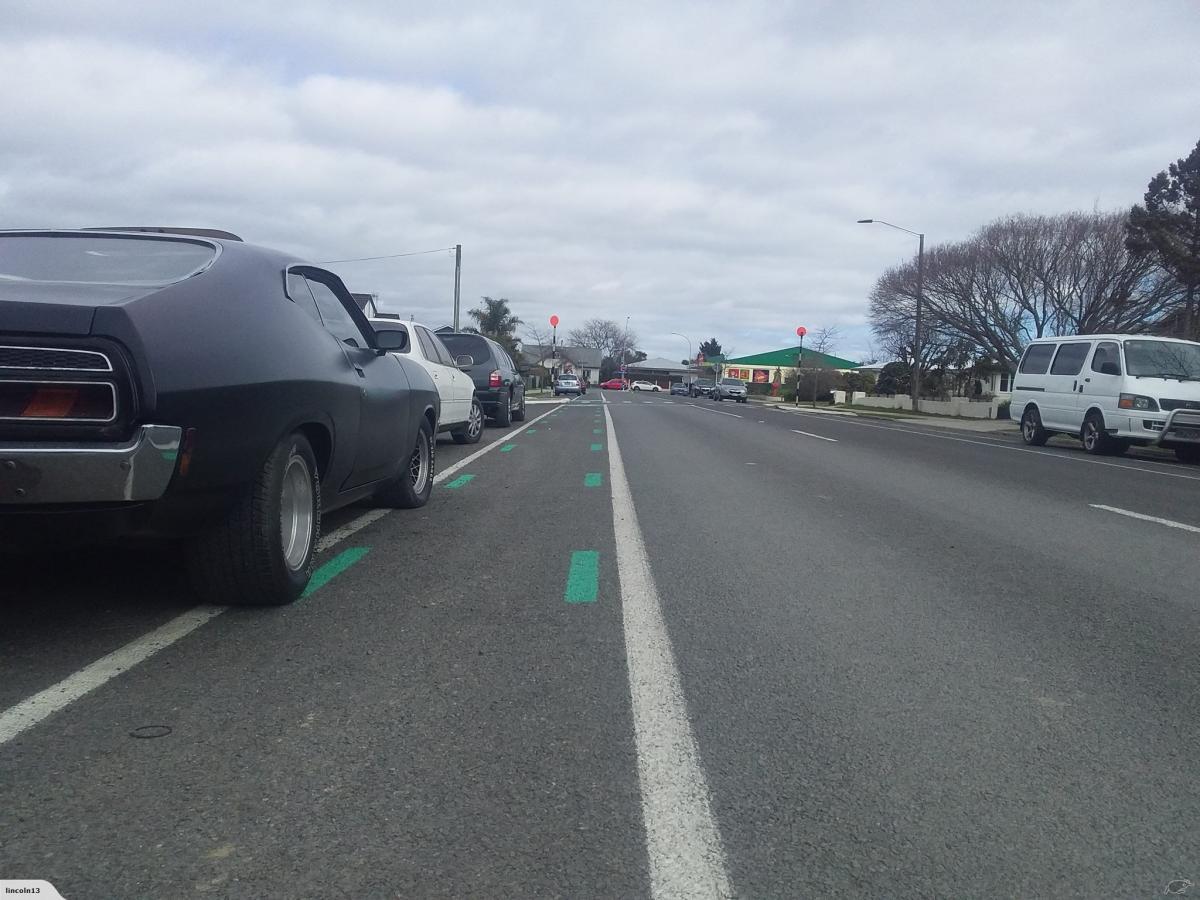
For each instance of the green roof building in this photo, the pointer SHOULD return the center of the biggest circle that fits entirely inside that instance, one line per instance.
(786, 359)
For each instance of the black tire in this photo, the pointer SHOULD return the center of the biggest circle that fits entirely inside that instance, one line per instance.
(411, 487)
(503, 417)
(473, 430)
(243, 561)
(1188, 453)
(1032, 432)
(519, 415)
(1095, 439)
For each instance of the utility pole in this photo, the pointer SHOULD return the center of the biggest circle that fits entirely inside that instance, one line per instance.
(915, 387)
(457, 278)
(801, 332)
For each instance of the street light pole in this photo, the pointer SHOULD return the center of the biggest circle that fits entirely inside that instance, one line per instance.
(691, 358)
(915, 387)
(457, 279)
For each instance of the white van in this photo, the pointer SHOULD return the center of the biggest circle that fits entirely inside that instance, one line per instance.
(1111, 391)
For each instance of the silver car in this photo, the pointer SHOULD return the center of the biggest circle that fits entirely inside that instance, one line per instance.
(730, 389)
(567, 384)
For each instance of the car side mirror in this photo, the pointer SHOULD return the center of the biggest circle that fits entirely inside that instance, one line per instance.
(391, 339)
(464, 361)
(1109, 368)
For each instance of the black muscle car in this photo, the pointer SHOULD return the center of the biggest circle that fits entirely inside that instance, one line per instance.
(159, 383)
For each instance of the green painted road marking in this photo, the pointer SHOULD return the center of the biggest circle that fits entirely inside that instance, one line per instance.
(530, 430)
(583, 580)
(460, 481)
(597, 431)
(507, 447)
(596, 447)
(334, 568)
(593, 479)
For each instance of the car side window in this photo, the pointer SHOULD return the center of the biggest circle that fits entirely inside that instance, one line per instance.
(1069, 359)
(1107, 353)
(338, 321)
(443, 355)
(1037, 359)
(427, 348)
(298, 292)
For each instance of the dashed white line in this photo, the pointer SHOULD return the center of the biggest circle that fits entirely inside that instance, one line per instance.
(31, 710)
(682, 840)
(819, 437)
(1145, 518)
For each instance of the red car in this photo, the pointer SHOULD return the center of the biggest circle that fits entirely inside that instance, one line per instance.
(614, 384)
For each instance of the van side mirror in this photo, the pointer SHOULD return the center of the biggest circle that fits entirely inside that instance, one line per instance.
(391, 339)
(464, 361)
(1109, 368)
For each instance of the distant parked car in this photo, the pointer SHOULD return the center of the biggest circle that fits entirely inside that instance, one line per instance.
(701, 387)
(614, 384)
(1111, 391)
(187, 387)
(568, 384)
(730, 389)
(644, 386)
(498, 384)
(679, 388)
(462, 413)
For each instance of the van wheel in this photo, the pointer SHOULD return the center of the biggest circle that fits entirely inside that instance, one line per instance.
(1032, 431)
(1188, 453)
(411, 487)
(1095, 439)
(262, 553)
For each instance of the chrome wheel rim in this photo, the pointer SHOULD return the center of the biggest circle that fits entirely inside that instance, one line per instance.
(475, 421)
(418, 465)
(1029, 426)
(296, 513)
(1089, 435)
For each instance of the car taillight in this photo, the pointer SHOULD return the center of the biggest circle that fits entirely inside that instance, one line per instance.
(63, 401)
(494, 379)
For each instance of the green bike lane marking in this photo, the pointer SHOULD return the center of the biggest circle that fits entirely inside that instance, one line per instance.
(583, 578)
(593, 479)
(507, 448)
(335, 567)
(460, 481)
(596, 448)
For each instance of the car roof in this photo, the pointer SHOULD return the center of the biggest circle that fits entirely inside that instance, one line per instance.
(1108, 337)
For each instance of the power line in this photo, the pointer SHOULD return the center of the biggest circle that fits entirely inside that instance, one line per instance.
(330, 262)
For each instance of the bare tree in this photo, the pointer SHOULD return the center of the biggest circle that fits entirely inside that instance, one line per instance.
(605, 335)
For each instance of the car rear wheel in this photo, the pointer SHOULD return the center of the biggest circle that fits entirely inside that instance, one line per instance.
(503, 416)
(473, 430)
(262, 553)
(411, 488)
(519, 415)
(1032, 432)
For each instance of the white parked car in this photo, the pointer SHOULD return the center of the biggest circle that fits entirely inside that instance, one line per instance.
(462, 414)
(1111, 391)
(644, 386)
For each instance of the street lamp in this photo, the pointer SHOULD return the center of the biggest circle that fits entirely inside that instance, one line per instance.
(690, 357)
(916, 366)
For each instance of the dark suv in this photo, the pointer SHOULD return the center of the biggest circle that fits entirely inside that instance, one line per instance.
(498, 384)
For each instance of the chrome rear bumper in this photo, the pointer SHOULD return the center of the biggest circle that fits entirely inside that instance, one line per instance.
(139, 469)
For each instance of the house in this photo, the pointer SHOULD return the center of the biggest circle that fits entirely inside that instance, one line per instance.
(583, 361)
(658, 371)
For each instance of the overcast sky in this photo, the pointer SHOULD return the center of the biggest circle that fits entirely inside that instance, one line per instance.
(696, 167)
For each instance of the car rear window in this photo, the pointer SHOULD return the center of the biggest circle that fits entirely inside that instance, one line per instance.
(92, 259)
(470, 344)
(1037, 359)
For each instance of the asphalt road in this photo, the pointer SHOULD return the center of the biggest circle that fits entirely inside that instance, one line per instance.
(654, 646)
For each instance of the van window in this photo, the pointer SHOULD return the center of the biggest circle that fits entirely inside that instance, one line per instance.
(1037, 359)
(1069, 360)
(1107, 352)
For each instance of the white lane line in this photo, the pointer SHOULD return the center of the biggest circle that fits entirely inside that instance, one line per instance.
(32, 710)
(682, 841)
(717, 411)
(1001, 446)
(819, 437)
(1145, 518)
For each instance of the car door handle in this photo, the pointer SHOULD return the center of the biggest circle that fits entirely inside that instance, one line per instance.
(361, 373)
